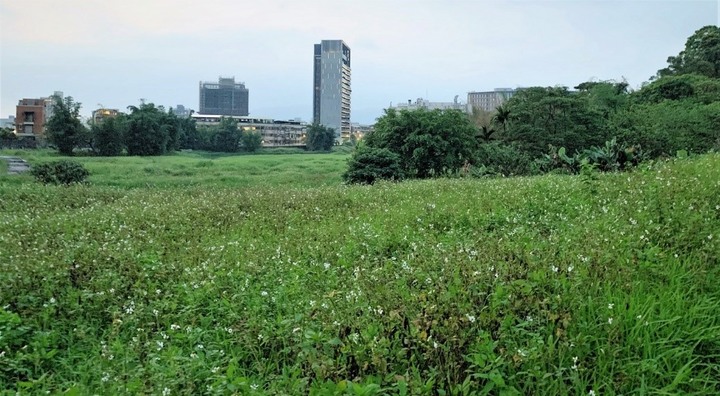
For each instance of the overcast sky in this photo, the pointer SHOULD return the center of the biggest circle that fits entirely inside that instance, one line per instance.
(113, 53)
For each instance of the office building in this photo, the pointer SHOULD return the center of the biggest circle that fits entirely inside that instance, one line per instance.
(331, 88)
(31, 115)
(225, 97)
(275, 133)
(489, 100)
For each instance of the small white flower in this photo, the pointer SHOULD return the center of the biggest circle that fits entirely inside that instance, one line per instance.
(254, 386)
(326, 265)
(52, 300)
(105, 377)
(155, 312)
(264, 293)
(470, 318)
(193, 355)
(554, 268)
(174, 327)
(611, 305)
(591, 393)
(215, 369)
(166, 391)
(570, 268)
(158, 291)
(160, 345)
(610, 320)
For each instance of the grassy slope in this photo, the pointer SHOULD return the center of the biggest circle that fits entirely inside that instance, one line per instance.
(547, 285)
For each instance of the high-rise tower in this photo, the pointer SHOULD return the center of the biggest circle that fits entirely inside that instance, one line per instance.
(331, 88)
(225, 97)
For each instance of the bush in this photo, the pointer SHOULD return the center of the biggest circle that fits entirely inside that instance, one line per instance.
(368, 165)
(60, 172)
(497, 158)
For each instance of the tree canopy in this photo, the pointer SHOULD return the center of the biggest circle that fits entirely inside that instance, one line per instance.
(64, 128)
(701, 55)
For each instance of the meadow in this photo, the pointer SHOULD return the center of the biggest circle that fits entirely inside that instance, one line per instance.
(271, 277)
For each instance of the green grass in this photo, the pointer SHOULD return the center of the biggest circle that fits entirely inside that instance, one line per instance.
(194, 169)
(545, 285)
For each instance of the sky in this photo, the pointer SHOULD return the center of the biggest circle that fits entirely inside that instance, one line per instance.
(115, 53)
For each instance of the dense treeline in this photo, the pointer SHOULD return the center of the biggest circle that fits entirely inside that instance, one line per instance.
(600, 124)
(146, 130)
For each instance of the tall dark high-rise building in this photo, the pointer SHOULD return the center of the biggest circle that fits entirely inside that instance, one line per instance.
(331, 88)
(225, 97)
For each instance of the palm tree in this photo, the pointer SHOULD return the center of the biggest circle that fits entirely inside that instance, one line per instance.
(502, 116)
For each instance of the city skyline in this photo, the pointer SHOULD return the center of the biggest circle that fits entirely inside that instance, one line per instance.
(112, 56)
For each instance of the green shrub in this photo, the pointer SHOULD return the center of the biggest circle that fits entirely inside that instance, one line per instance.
(60, 172)
(368, 165)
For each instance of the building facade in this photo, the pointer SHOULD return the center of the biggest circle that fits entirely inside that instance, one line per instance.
(275, 133)
(331, 86)
(489, 100)
(100, 115)
(421, 103)
(30, 118)
(225, 97)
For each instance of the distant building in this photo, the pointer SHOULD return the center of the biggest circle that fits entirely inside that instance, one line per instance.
(31, 115)
(181, 111)
(8, 122)
(331, 86)
(421, 103)
(360, 130)
(489, 100)
(274, 132)
(225, 97)
(100, 115)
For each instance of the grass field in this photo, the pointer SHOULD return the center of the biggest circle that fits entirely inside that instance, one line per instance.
(189, 169)
(260, 285)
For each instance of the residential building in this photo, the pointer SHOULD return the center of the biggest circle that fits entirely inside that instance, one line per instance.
(421, 103)
(100, 115)
(331, 87)
(30, 118)
(274, 132)
(489, 100)
(225, 97)
(360, 130)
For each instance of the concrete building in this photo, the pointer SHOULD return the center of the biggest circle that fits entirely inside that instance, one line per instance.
(488, 100)
(8, 122)
(331, 87)
(275, 133)
(181, 111)
(421, 103)
(225, 97)
(100, 115)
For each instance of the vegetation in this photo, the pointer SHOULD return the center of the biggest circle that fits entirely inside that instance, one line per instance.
(545, 285)
(60, 172)
(109, 137)
(428, 143)
(320, 138)
(368, 165)
(64, 129)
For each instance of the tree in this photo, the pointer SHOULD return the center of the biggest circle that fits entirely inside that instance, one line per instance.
(367, 165)
(429, 143)
(64, 128)
(320, 138)
(227, 136)
(146, 132)
(700, 56)
(252, 141)
(109, 136)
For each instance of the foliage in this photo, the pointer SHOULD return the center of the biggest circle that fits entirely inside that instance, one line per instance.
(7, 133)
(448, 286)
(60, 172)
(251, 141)
(64, 128)
(108, 137)
(320, 138)
(147, 133)
(367, 165)
(227, 136)
(429, 143)
(553, 116)
(497, 158)
(700, 56)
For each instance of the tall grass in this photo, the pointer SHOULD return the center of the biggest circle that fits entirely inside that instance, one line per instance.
(544, 285)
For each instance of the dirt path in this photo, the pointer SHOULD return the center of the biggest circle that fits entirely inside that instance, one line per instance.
(15, 165)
